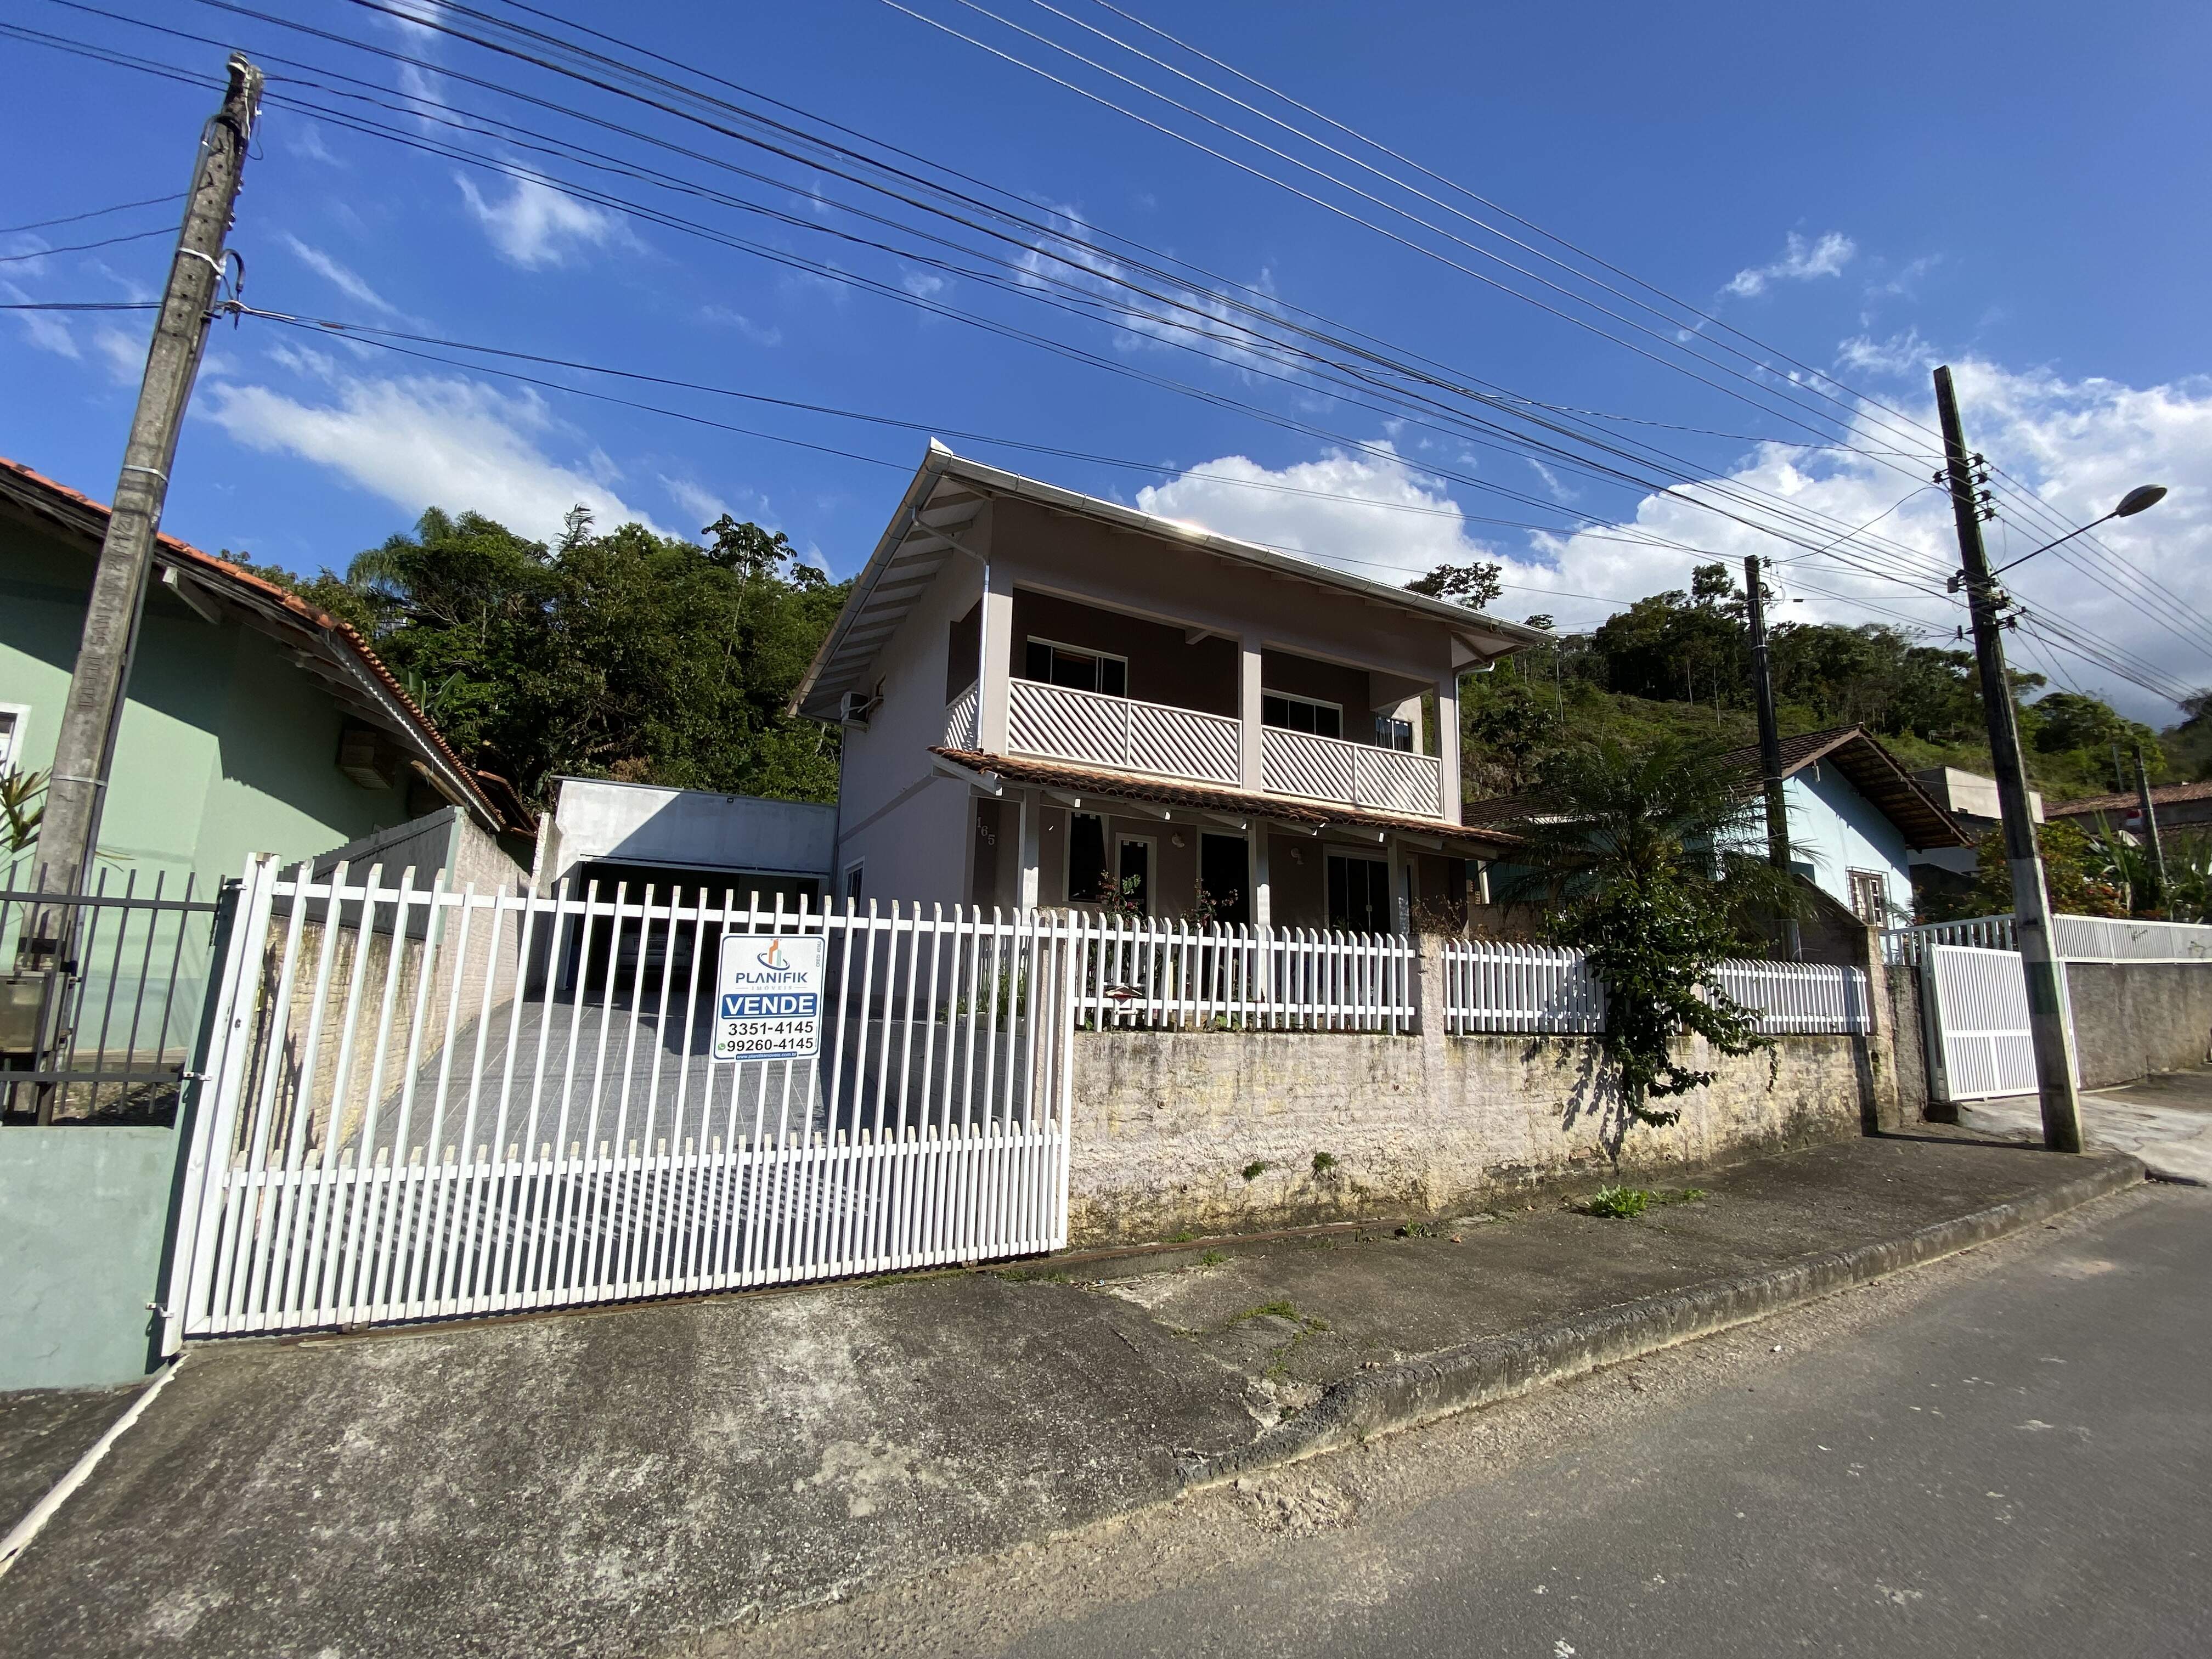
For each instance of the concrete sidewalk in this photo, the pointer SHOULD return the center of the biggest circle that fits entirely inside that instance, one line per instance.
(623, 1481)
(2165, 1120)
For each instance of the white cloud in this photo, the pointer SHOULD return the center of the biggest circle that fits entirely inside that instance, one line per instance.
(1900, 354)
(537, 226)
(1178, 317)
(429, 442)
(923, 284)
(1800, 261)
(124, 355)
(49, 331)
(347, 282)
(2078, 445)
(306, 141)
(700, 507)
(759, 335)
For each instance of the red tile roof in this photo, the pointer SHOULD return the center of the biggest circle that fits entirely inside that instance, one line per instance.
(77, 511)
(2162, 794)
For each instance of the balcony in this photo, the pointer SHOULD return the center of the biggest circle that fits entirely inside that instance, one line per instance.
(1086, 727)
(1094, 730)
(1357, 773)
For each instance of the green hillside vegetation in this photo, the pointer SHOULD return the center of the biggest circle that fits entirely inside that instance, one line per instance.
(1677, 665)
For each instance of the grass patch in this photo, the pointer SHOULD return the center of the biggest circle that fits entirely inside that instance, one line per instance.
(1420, 1229)
(1323, 1163)
(1618, 1203)
(1256, 1168)
(1213, 1258)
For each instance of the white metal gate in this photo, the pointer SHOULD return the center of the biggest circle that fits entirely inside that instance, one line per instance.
(423, 1103)
(1979, 1043)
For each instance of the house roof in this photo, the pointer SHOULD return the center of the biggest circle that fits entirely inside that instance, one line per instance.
(1874, 773)
(1871, 768)
(1085, 782)
(325, 645)
(2162, 794)
(949, 490)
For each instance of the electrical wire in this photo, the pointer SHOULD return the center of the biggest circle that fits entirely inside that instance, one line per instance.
(85, 247)
(95, 213)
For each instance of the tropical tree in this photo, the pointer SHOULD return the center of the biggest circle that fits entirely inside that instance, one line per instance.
(624, 655)
(1652, 862)
(22, 807)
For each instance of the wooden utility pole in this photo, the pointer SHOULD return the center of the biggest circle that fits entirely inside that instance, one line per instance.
(2151, 830)
(84, 748)
(1770, 730)
(2052, 1030)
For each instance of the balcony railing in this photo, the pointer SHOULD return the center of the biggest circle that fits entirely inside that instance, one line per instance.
(1358, 774)
(960, 731)
(1065, 724)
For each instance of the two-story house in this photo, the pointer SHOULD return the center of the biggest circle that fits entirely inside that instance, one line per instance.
(1048, 699)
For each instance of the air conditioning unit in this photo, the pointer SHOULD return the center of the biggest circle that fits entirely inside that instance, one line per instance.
(855, 708)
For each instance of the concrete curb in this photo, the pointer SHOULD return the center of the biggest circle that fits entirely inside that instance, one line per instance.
(1497, 1368)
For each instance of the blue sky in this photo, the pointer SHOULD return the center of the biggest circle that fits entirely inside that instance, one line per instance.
(2017, 190)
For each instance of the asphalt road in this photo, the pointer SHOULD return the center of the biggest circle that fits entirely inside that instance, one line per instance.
(2009, 1454)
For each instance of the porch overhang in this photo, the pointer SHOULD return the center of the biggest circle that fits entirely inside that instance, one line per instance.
(1105, 790)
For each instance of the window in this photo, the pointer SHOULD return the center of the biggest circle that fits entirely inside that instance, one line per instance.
(1359, 894)
(1080, 671)
(12, 719)
(1393, 733)
(853, 882)
(1871, 897)
(1136, 873)
(1323, 720)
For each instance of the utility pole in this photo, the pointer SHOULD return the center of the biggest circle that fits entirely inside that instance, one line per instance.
(2052, 1030)
(2150, 830)
(84, 749)
(1770, 730)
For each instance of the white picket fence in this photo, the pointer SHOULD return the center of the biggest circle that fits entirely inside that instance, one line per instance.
(1136, 972)
(404, 1122)
(1492, 986)
(1801, 999)
(2076, 938)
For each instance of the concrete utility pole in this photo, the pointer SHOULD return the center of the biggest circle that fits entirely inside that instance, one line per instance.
(2151, 830)
(2052, 1030)
(1770, 730)
(84, 748)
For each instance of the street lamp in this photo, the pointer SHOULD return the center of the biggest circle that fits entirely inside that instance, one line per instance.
(2142, 496)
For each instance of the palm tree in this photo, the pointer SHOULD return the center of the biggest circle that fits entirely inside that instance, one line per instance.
(1653, 862)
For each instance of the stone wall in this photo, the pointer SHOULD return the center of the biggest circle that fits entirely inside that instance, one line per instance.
(1220, 1132)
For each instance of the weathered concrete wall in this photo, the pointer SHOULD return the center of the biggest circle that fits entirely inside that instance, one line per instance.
(1909, 1043)
(86, 1209)
(1167, 1123)
(2135, 1017)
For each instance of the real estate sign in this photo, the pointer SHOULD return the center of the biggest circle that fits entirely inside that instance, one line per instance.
(767, 997)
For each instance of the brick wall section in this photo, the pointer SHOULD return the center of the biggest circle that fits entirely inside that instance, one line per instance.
(1166, 1122)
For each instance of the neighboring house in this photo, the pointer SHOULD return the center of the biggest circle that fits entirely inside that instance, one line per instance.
(1858, 821)
(1971, 799)
(1048, 696)
(2176, 805)
(253, 722)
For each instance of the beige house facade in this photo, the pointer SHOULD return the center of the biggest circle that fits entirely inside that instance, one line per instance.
(1050, 699)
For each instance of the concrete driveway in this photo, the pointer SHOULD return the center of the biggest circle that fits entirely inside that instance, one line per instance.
(2165, 1120)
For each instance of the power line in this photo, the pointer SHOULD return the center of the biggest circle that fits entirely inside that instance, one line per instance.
(95, 213)
(85, 247)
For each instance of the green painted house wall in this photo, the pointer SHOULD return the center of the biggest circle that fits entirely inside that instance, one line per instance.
(226, 748)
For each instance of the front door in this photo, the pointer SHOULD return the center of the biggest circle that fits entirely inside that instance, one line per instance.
(1359, 893)
(1225, 876)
